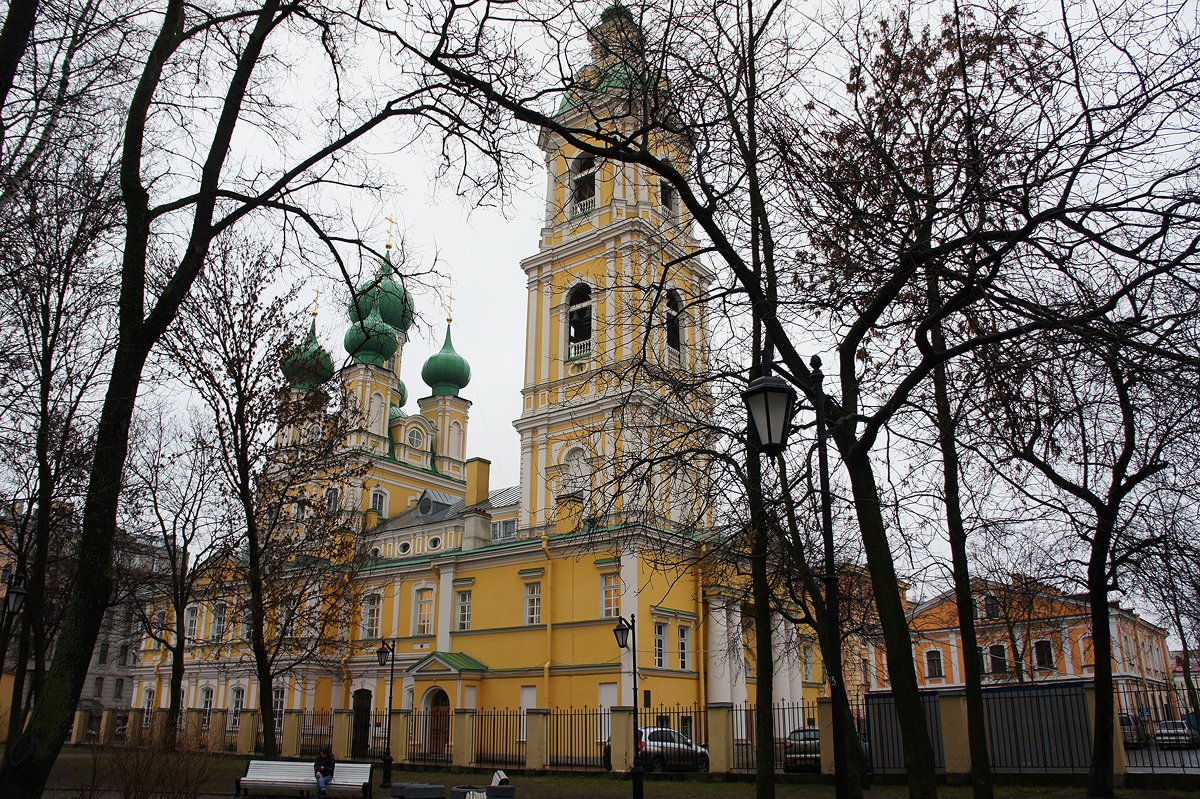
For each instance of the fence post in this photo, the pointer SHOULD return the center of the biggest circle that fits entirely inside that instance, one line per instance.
(343, 729)
(537, 739)
(463, 753)
(217, 721)
(133, 727)
(158, 727)
(1120, 764)
(79, 731)
(108, 726)
(720, 737)
(956, 746)
(825, 725)
(401, 731)
(193, 726)
(291, 733)
(622, 738)
(247, 732)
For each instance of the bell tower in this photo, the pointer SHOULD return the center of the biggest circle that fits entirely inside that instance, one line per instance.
(613, 299)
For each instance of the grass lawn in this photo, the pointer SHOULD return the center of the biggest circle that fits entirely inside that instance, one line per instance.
(76, 766)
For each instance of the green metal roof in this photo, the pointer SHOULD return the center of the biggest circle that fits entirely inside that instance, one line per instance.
(455, 660)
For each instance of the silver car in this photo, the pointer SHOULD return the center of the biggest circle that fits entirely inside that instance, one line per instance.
(661, 748)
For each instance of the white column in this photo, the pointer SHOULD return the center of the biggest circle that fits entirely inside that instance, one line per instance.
(716, 651)
(445, 608)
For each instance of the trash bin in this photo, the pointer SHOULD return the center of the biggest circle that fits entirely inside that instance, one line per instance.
(468, 792)
(417, 790)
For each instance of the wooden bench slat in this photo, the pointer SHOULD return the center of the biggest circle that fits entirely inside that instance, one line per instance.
(298, 778)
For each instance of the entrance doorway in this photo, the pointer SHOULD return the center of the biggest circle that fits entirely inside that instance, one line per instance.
(360, 738)
(437, 727)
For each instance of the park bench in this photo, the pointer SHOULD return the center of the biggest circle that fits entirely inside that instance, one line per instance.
(291, 778)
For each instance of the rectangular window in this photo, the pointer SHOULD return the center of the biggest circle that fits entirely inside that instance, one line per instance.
(191, 620)
(424, 612)
(991, 607)
(806, 656)
(610, 595)
(660, 645)
(533, 603)
(247, 624)
(933, 664)
(123, 655)
(119, 688)
(685, 647)
(102, 653)
(464, 610)
(98, 687)
(998, 658)
(1043, 654)
(220, 612)
(277, 697)
(504, 529)
(370, 616)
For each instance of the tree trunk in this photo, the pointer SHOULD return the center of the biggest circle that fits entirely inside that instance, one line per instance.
(1100, 774)
(918, 752)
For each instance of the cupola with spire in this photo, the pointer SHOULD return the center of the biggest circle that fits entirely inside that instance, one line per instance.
(446, 372)
(386, 295)
(309, 365)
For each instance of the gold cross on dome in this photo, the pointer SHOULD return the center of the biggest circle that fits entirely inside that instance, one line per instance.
(450, 308)
(391, 220)
(316, 301)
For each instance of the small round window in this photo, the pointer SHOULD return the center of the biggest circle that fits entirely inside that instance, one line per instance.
(435, 542)
(405, 547)
(415, 439)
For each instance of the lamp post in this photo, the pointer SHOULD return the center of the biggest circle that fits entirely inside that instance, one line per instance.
(626, 634)
(770, 402)
(386, 656)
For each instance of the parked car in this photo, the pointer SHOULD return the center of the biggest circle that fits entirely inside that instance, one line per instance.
(1135, 732)
(802, 750)
(1175, 733)
(662, 749)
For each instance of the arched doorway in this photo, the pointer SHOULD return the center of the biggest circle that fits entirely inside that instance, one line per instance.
(360, 738)
(436, 705)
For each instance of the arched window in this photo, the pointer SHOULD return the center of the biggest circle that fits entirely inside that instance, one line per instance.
(237, 702)
(333, 499)
(583, 184)
(377, 417)
(379, 501)
(370, 616)
(579, 322)
(575, 477)
(668, 198)
(456, 440)
(674, 326)
(423, 612)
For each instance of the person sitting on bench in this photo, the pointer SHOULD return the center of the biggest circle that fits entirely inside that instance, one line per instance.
(324, 766)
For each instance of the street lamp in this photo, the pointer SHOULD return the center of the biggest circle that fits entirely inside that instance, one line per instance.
(626, 634)
(14, 599)
(386, 655)
(770, 401)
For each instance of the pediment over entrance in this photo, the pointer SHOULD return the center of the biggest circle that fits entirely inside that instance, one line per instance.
(444, 663)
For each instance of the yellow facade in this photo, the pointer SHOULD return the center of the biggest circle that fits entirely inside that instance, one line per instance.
(508, 598)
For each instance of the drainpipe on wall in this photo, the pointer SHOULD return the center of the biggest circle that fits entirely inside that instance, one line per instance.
(699, 633)
(546, 602)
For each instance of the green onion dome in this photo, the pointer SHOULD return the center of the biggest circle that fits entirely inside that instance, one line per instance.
(372, 340)
(401, 394)
(446, 372)
(309, 365)
(395, 304)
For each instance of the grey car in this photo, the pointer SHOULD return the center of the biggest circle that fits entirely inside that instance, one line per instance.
(664, 749)
(802, 750)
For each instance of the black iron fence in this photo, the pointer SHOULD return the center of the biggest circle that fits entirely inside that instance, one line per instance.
(233, 727)
(1159, 727)
(316, 730)
(430, 736)
(500, 738)
(673, 737)
(258, 736)
(796, 737)
(578, 738)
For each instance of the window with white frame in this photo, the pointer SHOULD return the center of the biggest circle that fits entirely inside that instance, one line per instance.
(685, 647)
(464, 610)
(660, 645)
(333, 500)
(247, 624)
(237, 702)
(1086, 653)
(991, 607)
(998, 659)
(277, 699)
(933, 664)
(579, 322)
(220, 616)
(148, 706)
(371, 605)
(1043, 654)
(504, 529)
(379, 502)
(206, 704)
(583, 183)
(191, 619)
(610, 595)
(533, 603)
(806, 656)
(416, 439)
(424, 612)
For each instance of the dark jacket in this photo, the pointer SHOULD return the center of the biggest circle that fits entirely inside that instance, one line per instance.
(324, 765)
